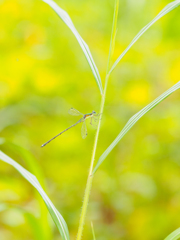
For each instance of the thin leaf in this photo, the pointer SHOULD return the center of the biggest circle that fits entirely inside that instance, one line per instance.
(174, 235)
(56, 216)
(35, 168)
(67, 20)
(94, 237)
(165, 10)
(133, 120)
(113, 37)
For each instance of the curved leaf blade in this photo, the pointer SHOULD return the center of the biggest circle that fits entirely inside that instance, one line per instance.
(56, 216)
(174, 235)
(169, 7)
(133, 120)
(67, 20)
(35, 168)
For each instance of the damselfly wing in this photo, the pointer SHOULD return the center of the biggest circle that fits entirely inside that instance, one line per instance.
(74, 112)
(84, 130)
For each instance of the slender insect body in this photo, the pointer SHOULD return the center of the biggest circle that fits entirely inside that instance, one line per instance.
(75, 112)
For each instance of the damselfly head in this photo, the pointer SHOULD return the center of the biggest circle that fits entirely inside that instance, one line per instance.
(93, 112)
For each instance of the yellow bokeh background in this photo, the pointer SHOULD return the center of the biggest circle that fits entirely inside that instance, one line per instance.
(136, 191)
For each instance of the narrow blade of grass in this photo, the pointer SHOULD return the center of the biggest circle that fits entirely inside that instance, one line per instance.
(113, 37)
(94, 237)
(35, 168)
(56, 216)
(165, 10)
(133, 120)
(174, 235)
(67, 20)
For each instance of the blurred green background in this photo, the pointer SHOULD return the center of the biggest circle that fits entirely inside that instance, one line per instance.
(136, 192)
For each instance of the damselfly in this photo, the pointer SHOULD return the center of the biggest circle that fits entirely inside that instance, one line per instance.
(75, 112)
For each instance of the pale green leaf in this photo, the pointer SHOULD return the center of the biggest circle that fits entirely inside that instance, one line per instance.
(35, 168)
(165, 10)
(56, 216)
(174, 235)
(133, 120)
(94, 237)
(67, 20)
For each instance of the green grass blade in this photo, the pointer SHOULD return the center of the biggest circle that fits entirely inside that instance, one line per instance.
(56, 216)
(113, 36)
(35, 168)
(94, 237)
(67, 20)
(165, 10)
(133, 120)
(174, 235)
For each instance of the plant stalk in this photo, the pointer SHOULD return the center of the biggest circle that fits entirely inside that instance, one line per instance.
(90, 176)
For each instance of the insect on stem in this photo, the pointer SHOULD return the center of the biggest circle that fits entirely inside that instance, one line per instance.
(75, 112)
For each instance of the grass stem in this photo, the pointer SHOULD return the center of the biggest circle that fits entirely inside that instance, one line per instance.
(90, 176)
